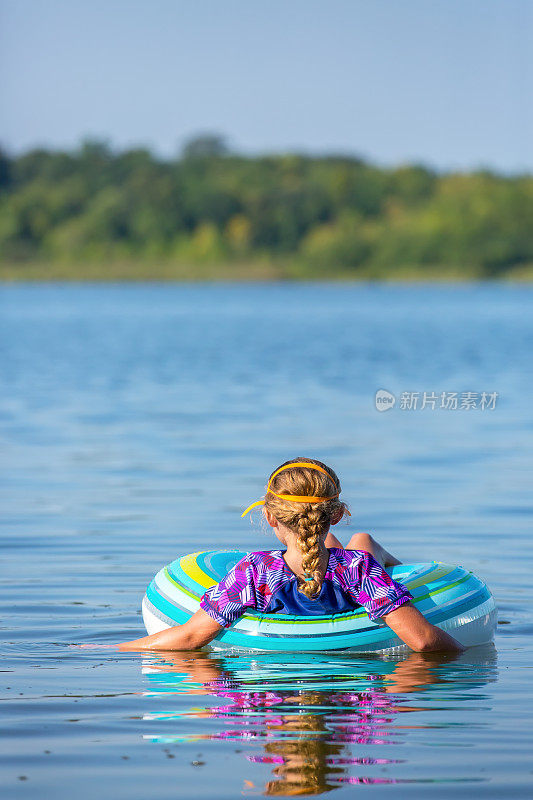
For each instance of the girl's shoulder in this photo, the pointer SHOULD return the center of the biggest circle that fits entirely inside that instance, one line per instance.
(344, 562)
(268, 559)
(265, 568)
(342, 556)
(261, 559)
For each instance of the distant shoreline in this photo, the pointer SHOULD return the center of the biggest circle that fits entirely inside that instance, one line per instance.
(92, 214)
(253, 272)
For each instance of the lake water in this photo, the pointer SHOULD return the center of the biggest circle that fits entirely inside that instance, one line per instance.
(138, 421)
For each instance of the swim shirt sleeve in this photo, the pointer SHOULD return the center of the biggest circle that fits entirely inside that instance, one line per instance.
(372, 588)
(225, 602)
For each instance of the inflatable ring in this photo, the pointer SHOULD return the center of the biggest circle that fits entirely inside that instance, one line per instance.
(448, 596)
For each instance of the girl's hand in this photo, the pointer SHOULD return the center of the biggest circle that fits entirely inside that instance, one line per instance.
(197, 631)
(92, 646)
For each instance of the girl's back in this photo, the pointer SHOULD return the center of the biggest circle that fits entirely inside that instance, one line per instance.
(264, 581)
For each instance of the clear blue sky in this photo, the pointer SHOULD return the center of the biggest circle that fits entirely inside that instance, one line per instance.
(445, 82)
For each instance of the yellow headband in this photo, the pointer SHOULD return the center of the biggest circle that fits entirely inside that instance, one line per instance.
(294, 498)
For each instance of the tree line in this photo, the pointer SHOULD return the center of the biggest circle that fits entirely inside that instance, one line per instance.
(313, 216)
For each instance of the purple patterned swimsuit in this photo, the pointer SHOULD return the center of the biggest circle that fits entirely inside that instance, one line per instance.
(262, 581)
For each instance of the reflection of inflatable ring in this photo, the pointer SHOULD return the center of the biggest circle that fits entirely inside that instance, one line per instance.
(450, 597)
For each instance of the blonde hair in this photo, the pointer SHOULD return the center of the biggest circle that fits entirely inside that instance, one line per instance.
(310, 521)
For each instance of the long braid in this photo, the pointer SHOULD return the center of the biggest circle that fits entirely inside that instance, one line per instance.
(309, 530)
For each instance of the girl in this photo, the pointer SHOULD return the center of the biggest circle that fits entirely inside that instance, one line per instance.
(313, 575)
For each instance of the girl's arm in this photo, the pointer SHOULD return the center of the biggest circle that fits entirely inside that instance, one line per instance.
(406, 621)
(413, 628)
(197, 631)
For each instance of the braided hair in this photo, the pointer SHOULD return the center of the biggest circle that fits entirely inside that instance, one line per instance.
(310, 521)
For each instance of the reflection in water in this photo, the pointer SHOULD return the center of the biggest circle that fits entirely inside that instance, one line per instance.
(309, 712)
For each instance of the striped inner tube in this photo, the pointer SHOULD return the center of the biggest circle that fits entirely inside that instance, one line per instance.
(451, 597)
